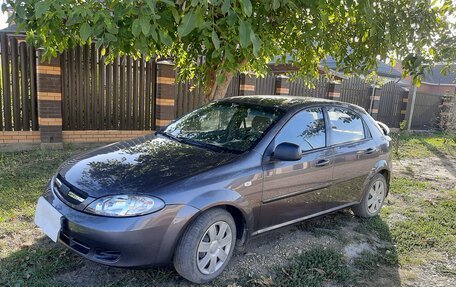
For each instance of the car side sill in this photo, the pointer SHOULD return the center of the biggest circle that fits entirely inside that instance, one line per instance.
(302, 218)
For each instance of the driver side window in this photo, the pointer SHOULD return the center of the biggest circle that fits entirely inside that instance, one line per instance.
(306, 129)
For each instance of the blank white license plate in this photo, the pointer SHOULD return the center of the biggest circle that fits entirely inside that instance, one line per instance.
(47, 218)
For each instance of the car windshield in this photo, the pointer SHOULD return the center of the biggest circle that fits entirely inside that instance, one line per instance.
(224, 125)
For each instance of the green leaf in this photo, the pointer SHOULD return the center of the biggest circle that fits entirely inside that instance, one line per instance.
(187, 25)
(85, 31)
(175, 15)
(136, 27)
(226, 6)
(215, 40)
(151, 4)
(247, 7)
(165, 38)
(275, 4)
(154, 34)
(145, 25)
(255, 43)
(244, 33)
(41, 8)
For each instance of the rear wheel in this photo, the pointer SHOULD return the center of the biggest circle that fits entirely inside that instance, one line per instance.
(373, 197)
(206, 246)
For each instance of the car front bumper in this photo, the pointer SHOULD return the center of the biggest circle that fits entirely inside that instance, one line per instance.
(123, 242)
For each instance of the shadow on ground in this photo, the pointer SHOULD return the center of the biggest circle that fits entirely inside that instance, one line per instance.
(335, 249)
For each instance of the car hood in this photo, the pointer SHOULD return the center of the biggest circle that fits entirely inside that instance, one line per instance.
(140, 165)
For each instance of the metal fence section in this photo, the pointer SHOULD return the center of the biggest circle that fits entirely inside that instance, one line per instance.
(298, 88)
(391, 99)
(426, 111)
(356, 91)
(100, 96)
(189, 96)
(233, 88)
(265, 85)
(18, 99)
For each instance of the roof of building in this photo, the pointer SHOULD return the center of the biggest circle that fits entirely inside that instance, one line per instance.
(435, 76)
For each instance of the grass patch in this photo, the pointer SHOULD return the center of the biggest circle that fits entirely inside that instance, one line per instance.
(420, 145)
(35, 267)
(404, 185)
(370, 261)
(24, 174)
(374, 225)
(434, 227)
(314, 268)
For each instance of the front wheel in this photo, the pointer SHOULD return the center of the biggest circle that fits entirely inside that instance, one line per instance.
(206, 246)
(373, 197)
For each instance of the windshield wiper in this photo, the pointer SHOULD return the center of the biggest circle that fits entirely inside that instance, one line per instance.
(196, 143)
(206, 145)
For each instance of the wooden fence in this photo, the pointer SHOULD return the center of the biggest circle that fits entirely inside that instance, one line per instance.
(18, 102)
(100, 96)
(84, 93)
(426, 111)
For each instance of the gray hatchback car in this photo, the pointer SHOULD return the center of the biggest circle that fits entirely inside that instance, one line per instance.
(214, 178)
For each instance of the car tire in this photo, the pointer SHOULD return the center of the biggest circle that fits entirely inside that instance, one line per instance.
(373, 197)
(202, 238)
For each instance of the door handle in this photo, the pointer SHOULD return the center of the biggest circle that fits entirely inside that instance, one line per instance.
(322, 162)
(370, 150)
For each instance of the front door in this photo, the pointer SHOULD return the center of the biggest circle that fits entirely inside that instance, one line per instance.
(295, 189)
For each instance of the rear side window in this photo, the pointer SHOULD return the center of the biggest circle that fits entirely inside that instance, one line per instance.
(346, 126)
(306, 129)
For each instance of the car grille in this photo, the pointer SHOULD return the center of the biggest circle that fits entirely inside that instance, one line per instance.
(67, 192)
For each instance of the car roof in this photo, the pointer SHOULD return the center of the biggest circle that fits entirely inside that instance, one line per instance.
(285, 102)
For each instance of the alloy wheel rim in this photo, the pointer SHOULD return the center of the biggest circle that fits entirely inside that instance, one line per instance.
(376, 196)
(214, 247)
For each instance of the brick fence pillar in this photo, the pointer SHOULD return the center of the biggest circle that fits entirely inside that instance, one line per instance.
(282, 85)
(49, 92)
(375, 103)
(334, 91)
(166, 92)
(404, 104)
(246, 85)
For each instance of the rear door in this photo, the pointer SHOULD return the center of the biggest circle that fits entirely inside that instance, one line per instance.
(295, 189)
(355, 154)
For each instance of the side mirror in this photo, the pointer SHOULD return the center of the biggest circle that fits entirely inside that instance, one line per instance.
(385, 128)
(287, 152)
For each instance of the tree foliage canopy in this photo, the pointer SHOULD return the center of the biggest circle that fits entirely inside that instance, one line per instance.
(246, 35)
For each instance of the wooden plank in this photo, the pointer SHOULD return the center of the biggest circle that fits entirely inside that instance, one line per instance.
(15, 85)
(101, 91)
(148, 95)
(65, 109)
(94, 85)
(86, 55)
(115, 82)
(108, 96)
(135, 94)
(24, 87)
(71, 94)
(79, 88)
(128, 94)
(141, 94)
(153, 101)
(122, 93)
(6, 82)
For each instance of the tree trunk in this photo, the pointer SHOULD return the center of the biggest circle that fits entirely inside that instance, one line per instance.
(218, 90)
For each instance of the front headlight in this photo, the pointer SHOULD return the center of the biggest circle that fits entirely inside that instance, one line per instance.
(125, 205)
